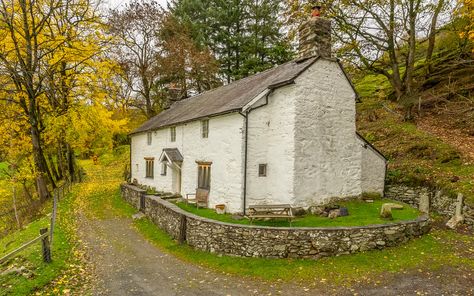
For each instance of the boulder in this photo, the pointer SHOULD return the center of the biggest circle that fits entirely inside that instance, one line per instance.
(344, 212)
(386, 212)
(316, 210)
(334, 214)
(299, 211)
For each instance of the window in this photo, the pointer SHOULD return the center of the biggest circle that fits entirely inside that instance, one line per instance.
(164, 167)
(205, 128)
(262, 170)
(173, 133)
(149, 138)
(150, 163)
(204, 175)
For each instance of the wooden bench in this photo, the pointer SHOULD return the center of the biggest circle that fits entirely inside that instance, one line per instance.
(201, 198)
(270, 211)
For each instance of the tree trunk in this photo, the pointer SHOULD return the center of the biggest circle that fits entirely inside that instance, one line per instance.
(53, 168)
(41, 184)
(432, 38)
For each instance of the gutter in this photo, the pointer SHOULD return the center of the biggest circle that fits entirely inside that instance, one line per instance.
(265, 94)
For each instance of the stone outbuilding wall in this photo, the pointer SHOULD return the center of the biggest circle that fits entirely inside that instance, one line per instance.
(440, 201)
(271, 242)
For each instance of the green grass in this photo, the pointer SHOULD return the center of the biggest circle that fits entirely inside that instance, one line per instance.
(360, 213)
(429, 252)
(31, 258)
(3, 169)
(432, 251)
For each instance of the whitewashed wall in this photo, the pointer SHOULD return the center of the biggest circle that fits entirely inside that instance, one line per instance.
(373, 169)
(328, 157)
(271, 141)
(223, 148)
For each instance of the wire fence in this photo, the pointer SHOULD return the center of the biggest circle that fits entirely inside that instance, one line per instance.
(46, 235)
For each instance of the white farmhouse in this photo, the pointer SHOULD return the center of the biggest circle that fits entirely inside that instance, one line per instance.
(283, 136)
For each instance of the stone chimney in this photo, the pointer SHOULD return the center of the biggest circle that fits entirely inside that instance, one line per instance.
(315, 35)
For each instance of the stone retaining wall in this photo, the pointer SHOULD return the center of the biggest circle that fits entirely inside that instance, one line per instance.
(271, 242)
(440, 202)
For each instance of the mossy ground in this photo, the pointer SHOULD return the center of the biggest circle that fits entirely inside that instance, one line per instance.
(360, 213)
(415, 157)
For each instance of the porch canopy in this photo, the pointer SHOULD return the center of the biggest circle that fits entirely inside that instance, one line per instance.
(172, 157)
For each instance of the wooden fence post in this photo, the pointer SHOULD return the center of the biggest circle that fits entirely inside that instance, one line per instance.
(53, 215)
(182, 230)
(45, 246)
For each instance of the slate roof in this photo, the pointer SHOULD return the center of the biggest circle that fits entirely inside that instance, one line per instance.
(173, 154)
(228, 98)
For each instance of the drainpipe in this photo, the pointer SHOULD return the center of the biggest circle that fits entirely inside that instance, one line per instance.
(245, 159)
(246, 116)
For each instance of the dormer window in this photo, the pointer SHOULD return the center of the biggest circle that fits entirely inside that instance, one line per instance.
(205, 128)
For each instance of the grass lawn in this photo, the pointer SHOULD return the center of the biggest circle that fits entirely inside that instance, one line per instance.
(41, 273)
(360, 213)
(100, 196)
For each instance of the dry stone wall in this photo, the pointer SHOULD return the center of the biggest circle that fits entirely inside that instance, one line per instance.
(440, 201)
(271, 242)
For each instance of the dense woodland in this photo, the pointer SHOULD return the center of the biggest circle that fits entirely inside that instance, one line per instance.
(76, 77)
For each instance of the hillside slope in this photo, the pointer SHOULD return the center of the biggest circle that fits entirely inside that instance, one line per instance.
(437, 147)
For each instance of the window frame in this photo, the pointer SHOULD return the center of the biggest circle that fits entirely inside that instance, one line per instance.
(205, 128)
(262, 169)
(204, 175)
(149, 167)
(173, 134)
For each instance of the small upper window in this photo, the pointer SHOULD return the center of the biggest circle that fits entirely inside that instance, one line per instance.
(149, 138)
(173, 134)
(262, 170)
(205, 128)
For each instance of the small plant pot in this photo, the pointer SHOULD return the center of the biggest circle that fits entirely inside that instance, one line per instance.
(220, 209)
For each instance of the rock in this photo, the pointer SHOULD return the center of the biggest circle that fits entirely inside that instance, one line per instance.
(316, 210)
(458, 217)
(138, 216)
(330, 207)
(344, 212)
(334, 214)
(15, 270)
(394, 206)
(386, 212)
(424, 205)
(455, 221)
(299, 211)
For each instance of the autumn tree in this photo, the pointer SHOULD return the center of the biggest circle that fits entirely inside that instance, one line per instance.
(186, 69)
(136, 49)
(381, 36)
(49, 67)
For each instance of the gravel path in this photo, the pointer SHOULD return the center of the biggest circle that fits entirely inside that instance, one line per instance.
(127, 264)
